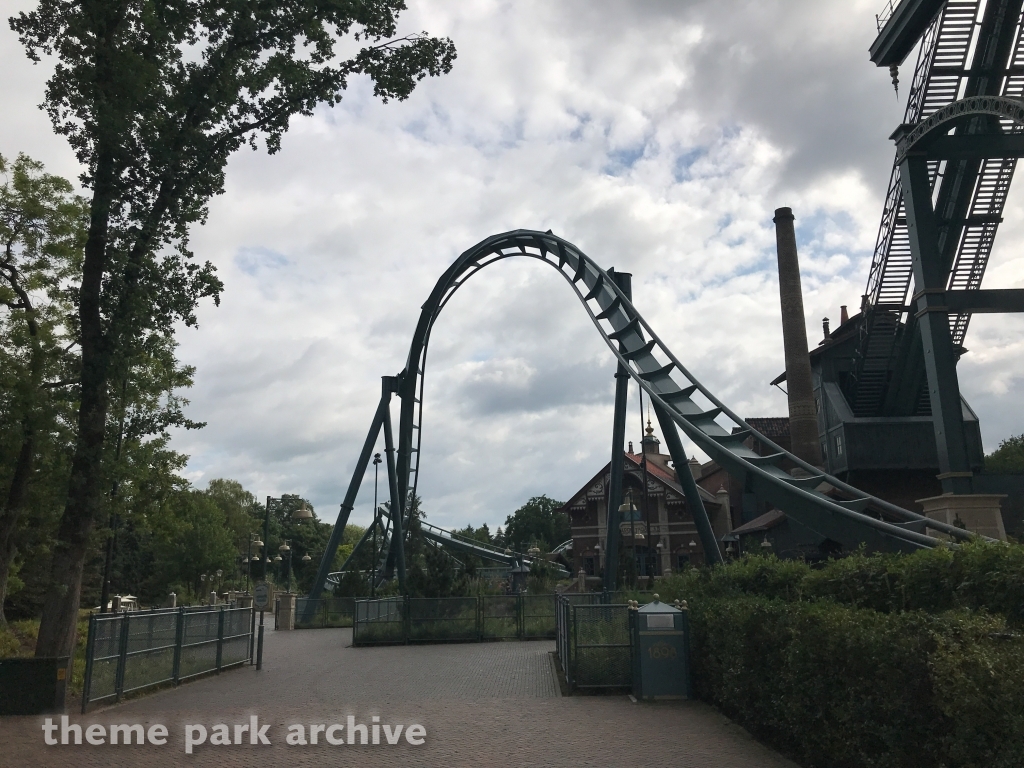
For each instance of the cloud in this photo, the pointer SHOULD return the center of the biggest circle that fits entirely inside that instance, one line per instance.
(659, 137)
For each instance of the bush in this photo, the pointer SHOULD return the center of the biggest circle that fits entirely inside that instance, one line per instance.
(838, 686)
(976, 576)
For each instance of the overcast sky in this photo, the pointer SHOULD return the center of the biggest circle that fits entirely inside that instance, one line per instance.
(657, 136)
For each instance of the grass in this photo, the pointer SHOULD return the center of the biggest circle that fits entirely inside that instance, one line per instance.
(18, 640)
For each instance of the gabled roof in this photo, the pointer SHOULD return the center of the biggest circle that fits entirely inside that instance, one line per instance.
(655, 472)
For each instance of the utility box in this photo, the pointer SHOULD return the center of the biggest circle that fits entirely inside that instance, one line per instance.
(32, 686)
(661, 651)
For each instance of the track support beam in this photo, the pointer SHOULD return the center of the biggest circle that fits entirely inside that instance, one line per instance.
(708, 542)
(939, 357)
(611, 556)
(350, 496)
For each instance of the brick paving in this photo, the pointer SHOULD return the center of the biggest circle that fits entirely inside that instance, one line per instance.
(488, 704)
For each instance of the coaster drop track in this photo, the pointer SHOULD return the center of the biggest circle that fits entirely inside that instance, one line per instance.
(819, 501)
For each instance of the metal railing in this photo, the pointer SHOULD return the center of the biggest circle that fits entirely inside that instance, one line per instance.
(131, 651)
(453, 619)
(324, 612)
(593, 640)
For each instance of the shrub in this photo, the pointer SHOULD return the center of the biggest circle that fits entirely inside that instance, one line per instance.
(838, 686)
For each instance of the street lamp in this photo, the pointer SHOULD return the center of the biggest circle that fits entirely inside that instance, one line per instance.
(376, 515)
(254, 541)
(286, 548)
(302, 513)
(628, 508)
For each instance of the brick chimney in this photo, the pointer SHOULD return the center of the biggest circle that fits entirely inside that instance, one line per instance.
(803, 419)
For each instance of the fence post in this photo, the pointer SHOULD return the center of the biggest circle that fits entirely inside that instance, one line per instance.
(90, 649)
(573, 649)
(406, 619)
(122, 657)
(324, 601)
(179, 640)
(220, 638)
(252, 634)
(479, 619)
(520, 616)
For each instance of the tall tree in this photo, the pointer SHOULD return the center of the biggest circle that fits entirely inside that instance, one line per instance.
(538, 522)
(42, 230)
(154, 96)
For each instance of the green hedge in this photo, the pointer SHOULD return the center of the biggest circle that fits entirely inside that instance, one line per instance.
(882, 661)
(975, 577)
(838, 686)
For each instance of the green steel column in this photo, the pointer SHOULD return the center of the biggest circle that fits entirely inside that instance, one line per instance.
(350, 498)
(397, 530)
(939, 359)
(611, 556)
(708, 542)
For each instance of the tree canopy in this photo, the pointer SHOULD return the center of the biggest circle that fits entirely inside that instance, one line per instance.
(1008, 458)
(153, 97)
(538, 522)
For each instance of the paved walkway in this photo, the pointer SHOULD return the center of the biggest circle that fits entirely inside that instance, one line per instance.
(488, 704)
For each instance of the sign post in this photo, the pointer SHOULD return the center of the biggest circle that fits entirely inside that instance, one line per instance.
(262, 595)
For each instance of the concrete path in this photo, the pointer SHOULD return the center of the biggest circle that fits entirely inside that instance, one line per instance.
(488, 704)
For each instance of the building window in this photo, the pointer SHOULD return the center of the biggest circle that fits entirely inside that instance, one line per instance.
(839, 445)
(817, 405)
(682, 562)
(588, 566)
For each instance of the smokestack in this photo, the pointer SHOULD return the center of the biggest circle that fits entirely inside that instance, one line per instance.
(824, 327)
(843, 314)
(803, 421)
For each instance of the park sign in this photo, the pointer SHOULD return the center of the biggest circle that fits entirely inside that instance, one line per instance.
(262, 595)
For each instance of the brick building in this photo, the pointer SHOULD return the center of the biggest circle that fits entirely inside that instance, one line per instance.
(662, 527)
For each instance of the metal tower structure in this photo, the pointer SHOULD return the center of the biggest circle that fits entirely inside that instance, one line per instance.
(821, 502)
(956, 154)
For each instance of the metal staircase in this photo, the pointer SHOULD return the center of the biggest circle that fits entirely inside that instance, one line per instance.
(955, 60)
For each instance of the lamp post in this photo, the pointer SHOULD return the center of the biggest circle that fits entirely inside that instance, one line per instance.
(376, 514)
(254, 541)
(627, 507)
(287, 549)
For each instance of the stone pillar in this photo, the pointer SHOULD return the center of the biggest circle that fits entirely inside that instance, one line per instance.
(581, 579)
(979, 512)
(286, 610)
(243, 600)
(803, 418)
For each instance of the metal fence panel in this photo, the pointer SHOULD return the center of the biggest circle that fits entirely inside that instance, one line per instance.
(339, 611)
(379, 622)
(105, 629)
(442, 619)
(129, 651)
(499, 617)
(538, 616)
(150, 648)
(601, 646)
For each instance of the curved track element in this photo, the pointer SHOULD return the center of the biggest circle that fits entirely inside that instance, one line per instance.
(676, 392)
(821, 502)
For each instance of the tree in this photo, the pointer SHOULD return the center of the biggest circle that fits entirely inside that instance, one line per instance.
(154, 97)
(42, 228)
(1008, 458)
(538, 522)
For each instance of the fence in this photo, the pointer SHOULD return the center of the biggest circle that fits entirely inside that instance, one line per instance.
(130, 651)
(453, 619)
(593, 640)
(324, 612)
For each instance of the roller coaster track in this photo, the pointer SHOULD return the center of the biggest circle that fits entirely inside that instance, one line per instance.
(819, 501)
(962, 54)
(671, 386)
